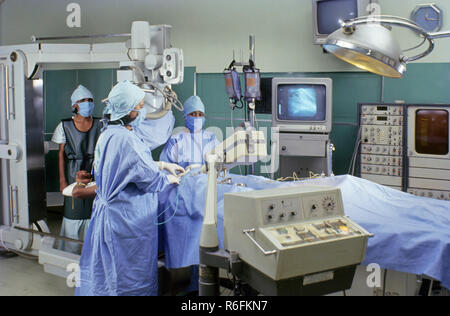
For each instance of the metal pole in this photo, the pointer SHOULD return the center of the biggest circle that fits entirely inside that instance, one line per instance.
(35, 39)
(4, 196)
(439, 34)
(252, 48)
(49, 235)
(209, 281)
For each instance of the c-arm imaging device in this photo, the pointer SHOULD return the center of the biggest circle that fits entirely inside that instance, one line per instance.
(146, 59)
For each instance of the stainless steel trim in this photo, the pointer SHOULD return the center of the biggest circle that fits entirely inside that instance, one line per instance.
(35, 39)
(398, 65)
(6, 84)
(13, 202)
(439, 34)
(11, 86)
(266, 253)
(252, 47)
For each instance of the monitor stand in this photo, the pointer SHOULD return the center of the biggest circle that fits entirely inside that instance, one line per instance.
(303, 154)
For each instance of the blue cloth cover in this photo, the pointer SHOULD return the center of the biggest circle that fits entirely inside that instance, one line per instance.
(187, 148)
(412, 233)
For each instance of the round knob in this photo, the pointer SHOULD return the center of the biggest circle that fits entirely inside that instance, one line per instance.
(18, 244)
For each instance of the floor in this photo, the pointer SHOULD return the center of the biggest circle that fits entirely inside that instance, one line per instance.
(24, 277)
(21, 276)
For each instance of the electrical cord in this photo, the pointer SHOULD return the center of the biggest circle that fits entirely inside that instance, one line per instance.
(177, 199)
(351, 169)
(295, 177)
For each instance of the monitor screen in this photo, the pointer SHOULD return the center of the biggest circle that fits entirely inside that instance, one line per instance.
(431, 133)
(302, 102)
(331, 12)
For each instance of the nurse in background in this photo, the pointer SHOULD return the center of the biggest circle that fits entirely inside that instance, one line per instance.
(76, 137)
(189, 147)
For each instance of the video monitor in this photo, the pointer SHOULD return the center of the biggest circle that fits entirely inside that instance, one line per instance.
(302, 104)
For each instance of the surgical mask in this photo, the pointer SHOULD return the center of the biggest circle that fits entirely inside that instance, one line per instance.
(140, 118)
(86, 109)
(194, 124)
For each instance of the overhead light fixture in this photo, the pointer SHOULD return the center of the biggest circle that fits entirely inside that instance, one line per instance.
(368, 43)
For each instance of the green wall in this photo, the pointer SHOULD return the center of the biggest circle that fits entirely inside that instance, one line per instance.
(423, 83)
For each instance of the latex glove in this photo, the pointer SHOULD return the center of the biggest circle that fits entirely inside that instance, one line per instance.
(195, 166)
(188, 169)
(173, 179)
(171, 167)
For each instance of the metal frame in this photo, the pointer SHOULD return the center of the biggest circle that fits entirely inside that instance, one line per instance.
(22, 191)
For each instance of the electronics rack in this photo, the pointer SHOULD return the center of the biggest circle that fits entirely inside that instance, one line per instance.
(384, 156)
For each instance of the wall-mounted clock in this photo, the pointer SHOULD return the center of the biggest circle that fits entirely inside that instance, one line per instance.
(428, 17)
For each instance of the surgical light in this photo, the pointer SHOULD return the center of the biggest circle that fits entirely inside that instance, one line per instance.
(368, 43)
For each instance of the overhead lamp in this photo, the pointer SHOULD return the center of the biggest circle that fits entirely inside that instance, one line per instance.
(368, 43)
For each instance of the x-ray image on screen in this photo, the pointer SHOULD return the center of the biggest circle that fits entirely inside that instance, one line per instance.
(302, 103)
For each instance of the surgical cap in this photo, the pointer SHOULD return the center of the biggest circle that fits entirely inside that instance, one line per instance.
(123, 98)
(193, 104)
(81, 93)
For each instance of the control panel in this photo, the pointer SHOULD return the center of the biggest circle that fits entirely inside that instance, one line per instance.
(292, 231)
(432, 194)
(282, 211)
(314, 232)
(400, 148)
(382, 138)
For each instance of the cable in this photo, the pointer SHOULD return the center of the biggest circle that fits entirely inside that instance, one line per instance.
(295, 177)
(355, 152)
(354, 161)
(177, 199)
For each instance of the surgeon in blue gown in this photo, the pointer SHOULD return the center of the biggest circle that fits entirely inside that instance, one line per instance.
(189, 147)
(119, 255)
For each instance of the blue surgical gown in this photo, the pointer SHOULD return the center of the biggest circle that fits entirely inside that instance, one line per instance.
(186, 148)
(120, 250)
(156, 132)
